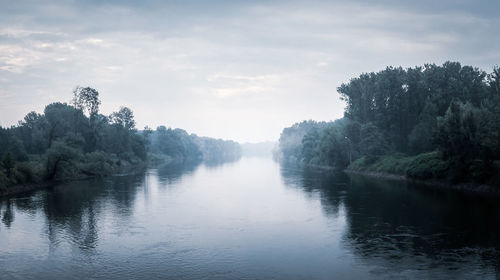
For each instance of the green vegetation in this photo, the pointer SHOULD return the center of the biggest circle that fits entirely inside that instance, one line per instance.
(430, 122)
(423, 166)
(74, 140)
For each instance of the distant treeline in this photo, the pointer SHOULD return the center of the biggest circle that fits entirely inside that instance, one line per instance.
(258, 149)
(177, 143)
(74, 140)
(430, 122)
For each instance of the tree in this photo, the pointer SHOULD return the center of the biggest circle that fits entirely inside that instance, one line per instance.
(459, 140)
(31, 132)
(8, 163)
(421, 138)
(87, 100)
(309, 147)
(61, 159)
(373, 142)
(59, 116)
(146, 135)
(394, 99)
(124, 118)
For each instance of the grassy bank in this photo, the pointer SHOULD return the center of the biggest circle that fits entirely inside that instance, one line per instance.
(423, 167)
(42, 171)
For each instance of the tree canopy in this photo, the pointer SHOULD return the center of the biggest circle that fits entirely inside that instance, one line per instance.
(449, 111)
(74, 140)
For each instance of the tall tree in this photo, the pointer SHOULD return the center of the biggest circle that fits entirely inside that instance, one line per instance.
(87, 100)
(124, 118)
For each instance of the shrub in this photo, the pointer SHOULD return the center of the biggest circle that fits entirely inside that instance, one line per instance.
(97, 163)
(392, 164)
(427, 166)
(29, 171)
(4, 181)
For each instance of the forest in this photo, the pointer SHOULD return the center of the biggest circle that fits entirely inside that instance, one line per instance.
(431, 122)
(69, 141)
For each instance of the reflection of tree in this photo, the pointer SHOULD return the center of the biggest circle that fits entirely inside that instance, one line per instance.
(399, 226)
(75, 208)
(420, 221)
(394, 221)
(8, 214)
(123, 191)
(72, 208)
(329, 185)
(216, 162)
(170, 173)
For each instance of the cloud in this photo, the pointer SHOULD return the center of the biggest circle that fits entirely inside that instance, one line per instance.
(229, 77)
(243, 86)
(237, 92)
(261, 64)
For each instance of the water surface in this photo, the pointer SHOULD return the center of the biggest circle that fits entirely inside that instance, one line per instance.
(251, 219)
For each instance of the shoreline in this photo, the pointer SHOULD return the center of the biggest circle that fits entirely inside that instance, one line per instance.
(462, 187)
(125, 171)
(18, 189)
(131, 170)
(26, 188)
(471, 188)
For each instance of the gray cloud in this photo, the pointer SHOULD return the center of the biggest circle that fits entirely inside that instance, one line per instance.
(230, 69)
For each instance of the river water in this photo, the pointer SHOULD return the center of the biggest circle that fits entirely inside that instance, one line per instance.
(250, 219)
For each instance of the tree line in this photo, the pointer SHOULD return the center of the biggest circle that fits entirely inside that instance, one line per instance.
(75, 140)
(426, 122)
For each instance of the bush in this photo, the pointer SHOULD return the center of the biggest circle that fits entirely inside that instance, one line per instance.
(30, 171)
(363, 163)
(4, 181)
(392, 164)
(360, 164)
(427, 166)
(97, 163)
(423, 166)
(395, 164)
(61, 159)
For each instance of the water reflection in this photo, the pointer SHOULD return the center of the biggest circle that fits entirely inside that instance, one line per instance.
(89, 198)
(250, 219)
(398, 227)
(331, 186)
(8, 214)
(421, 228)
(172, 172)
(218, 162)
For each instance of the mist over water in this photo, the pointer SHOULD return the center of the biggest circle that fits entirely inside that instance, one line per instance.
(248, 219)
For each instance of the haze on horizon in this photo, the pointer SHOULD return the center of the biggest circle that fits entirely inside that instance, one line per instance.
(226, 69)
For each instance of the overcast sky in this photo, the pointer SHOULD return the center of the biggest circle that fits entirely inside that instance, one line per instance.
(238, 70)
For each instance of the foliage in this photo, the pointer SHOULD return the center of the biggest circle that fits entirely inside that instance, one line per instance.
(438, 122)
(290, 142)
(123, 118)
(70, 141)
(393, 164)
(427, 166)
(178, 144)
(86, 99)
(423, 166)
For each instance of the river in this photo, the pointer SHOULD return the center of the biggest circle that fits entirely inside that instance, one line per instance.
(249, 219)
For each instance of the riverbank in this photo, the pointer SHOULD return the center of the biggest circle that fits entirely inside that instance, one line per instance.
(31, 186)
(426, 169)
(387, 168)
(482, 189)
(17, 189)
(122, 170)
